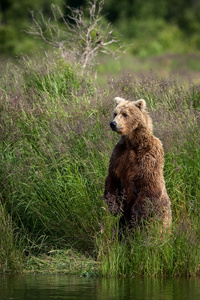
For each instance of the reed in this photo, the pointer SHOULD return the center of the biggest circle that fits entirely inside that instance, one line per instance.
(11, 258)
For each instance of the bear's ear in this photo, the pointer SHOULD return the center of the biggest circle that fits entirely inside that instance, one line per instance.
(118, 100)
(141, 104)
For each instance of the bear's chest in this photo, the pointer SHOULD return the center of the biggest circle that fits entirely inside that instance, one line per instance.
(124, 163)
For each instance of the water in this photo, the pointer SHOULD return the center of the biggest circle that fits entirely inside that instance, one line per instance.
(73, 288)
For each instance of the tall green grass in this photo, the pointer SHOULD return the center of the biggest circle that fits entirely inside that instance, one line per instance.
(55, 145)
(48, 168)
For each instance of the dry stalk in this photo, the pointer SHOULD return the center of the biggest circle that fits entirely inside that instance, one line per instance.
(80, 37)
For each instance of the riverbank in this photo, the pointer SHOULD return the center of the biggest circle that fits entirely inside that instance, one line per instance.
(62, 262)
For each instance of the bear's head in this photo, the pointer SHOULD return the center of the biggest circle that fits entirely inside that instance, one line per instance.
(129, 115)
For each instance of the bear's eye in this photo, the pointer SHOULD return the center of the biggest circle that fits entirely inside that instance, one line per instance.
(114, 115)
(124, 115)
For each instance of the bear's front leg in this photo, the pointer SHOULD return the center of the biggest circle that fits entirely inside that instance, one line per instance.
(112, 194)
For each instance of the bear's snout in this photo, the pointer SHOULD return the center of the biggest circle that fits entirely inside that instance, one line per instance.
(113, 125)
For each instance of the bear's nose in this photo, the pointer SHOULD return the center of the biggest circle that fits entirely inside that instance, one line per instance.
(113, 125)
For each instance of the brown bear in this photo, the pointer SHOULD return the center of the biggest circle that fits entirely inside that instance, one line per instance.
(135, 185)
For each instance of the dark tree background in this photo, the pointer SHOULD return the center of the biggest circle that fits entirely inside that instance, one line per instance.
(133, 19)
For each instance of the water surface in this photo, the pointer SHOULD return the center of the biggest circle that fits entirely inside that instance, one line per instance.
(59, 287)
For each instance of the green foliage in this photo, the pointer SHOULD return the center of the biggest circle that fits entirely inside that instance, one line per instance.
(14, 20)
(154, 27)
(153, 37)
(168, 11)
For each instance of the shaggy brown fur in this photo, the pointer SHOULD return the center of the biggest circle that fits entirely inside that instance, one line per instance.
(135, 184)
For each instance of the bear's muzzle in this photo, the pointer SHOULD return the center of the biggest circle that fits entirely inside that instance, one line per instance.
(113, 125)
